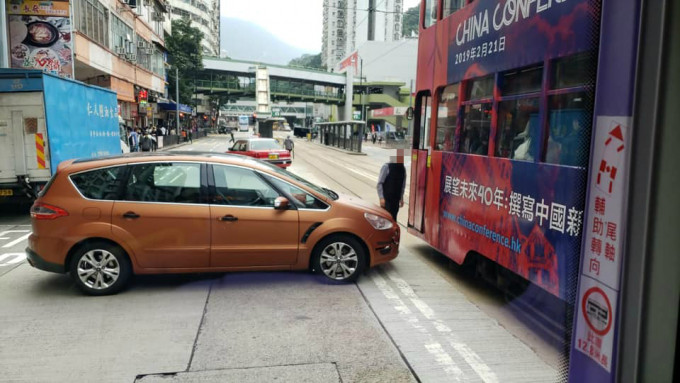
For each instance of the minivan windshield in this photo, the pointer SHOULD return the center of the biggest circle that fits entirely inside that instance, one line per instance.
(323, 191)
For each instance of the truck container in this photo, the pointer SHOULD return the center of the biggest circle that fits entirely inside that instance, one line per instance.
(44, 120)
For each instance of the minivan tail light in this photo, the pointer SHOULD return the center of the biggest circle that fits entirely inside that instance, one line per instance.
(45, 211)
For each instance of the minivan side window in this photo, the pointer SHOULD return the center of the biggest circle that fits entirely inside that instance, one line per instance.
(241, 187)
(164, 182)
(102, 184)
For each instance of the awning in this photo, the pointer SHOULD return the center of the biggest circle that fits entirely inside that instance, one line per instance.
(171, 106)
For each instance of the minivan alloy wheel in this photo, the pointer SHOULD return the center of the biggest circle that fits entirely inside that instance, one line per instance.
(339, 261)
(98, 269)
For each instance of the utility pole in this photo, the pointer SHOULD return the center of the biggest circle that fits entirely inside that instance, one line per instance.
(177, 99)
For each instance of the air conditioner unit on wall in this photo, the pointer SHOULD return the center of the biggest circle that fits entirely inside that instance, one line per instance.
(132, 57)
(119, 50)
(141, 44)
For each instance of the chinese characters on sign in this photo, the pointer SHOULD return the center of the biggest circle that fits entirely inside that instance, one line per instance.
(102, 111)
(599, 285)
(554, 215)
(40, 36)
(602, 244)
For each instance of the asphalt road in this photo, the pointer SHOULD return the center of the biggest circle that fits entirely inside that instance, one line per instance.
(415, 319)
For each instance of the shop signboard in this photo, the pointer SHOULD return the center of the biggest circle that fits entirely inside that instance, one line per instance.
(40, 36)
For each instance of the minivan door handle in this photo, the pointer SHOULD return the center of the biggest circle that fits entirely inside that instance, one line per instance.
(131, 214)
(228, 217)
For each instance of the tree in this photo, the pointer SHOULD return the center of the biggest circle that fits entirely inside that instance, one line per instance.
(184, 48)
(410, 21)
(308, 61)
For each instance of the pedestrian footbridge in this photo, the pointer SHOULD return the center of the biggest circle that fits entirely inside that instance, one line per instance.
(250, 79)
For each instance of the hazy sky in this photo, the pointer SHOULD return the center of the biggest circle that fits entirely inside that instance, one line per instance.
(297, 22)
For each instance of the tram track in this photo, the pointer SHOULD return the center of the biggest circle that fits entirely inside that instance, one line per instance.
(336, 157)
(532, 306)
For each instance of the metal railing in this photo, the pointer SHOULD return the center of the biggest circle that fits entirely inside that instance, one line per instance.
(347, 135)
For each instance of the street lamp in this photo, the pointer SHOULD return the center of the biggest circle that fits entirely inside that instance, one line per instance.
(361, 83)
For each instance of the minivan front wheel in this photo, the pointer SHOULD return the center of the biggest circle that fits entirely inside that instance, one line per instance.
(100, 268)
(340, 258)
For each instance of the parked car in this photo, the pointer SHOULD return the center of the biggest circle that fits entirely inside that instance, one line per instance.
(105, 219)
(266, 149)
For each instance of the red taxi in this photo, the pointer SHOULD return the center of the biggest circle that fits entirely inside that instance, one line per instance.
(267, 149)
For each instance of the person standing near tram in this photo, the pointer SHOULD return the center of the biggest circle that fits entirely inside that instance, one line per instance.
(392, 183)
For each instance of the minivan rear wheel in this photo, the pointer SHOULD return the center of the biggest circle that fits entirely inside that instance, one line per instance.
(340, 258)
(100, 268)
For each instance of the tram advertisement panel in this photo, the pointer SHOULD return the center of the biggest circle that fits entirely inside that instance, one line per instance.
(487, 36)
(527, 217)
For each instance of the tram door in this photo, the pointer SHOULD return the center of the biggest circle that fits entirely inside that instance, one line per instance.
(421, 145)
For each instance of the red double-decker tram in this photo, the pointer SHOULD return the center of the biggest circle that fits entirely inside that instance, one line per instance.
(522, 148)
(504, 113)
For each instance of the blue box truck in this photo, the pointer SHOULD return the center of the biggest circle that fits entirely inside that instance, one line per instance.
(44, 120)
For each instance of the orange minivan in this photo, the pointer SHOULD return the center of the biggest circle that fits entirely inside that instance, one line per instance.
(103, 220)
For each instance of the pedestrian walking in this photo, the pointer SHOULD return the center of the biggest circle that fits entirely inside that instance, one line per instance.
(231, 133)
(373, 138)
(392, 183)
(154, 134)
(289, 145)
(133, 140)
(146, 143)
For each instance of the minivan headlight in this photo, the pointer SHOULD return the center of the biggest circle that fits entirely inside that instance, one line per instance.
(378, 223)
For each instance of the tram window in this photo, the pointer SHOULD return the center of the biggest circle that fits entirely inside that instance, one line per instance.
(451, 6)
(573, 71)
(430, 13)
(518, 123)
(480, 88)
(569, 129)
(474, 136)
(447, 118)
(522, 81)
(424, 113)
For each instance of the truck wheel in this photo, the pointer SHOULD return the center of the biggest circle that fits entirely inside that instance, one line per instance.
(340, 258)
(100, 268)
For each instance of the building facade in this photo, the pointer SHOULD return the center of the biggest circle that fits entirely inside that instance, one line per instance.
(119, 44)
(204, 15)
(348, 24)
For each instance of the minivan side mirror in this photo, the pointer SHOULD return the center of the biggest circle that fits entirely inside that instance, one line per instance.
(281, 203)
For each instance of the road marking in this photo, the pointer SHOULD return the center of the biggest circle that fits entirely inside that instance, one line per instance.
(18, 239)
(443, 358)
(434, 348)
(13, 231)
(18, 257)
(470, 357)
(362, 173)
